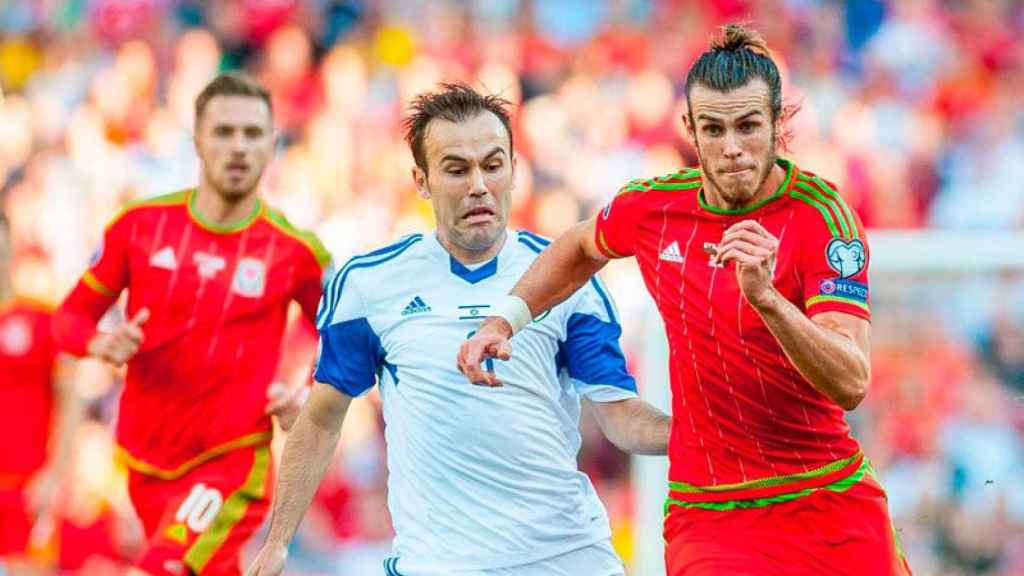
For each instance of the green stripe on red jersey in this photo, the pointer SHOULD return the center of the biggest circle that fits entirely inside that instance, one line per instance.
(840, 485)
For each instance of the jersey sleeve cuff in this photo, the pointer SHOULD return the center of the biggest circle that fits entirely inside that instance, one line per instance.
(820, 304)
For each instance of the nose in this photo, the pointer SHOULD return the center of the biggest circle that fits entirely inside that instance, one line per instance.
(477, 186)
(731, 149)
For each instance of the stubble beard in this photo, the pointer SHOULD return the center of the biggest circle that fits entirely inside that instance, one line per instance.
(738, 198)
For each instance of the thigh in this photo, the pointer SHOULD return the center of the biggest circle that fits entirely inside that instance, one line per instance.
(198, 524)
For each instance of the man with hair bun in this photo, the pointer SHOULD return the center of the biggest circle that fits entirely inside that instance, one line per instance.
(759, 271)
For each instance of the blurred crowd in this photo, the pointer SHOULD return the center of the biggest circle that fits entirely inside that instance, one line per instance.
(913, 107)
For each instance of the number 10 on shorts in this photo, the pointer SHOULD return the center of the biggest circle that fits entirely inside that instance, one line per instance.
(200, 508)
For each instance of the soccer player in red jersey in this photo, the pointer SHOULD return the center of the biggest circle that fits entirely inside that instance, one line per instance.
(37, 431)
(759, 271)
(210, 273)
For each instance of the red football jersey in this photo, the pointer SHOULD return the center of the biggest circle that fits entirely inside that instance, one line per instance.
(746, 423)
(218, 299)
(27, 355)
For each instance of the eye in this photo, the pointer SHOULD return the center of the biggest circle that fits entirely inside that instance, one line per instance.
(712, 129)
(222, 131)
(494, 166)
(456, 171)
(748, 126)
(253, 132)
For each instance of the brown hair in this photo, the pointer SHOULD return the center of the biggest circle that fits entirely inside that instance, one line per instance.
(736, 57)
(454, 103)
(232, 84)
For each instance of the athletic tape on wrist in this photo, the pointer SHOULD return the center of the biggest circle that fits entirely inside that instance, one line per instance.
(514, 310)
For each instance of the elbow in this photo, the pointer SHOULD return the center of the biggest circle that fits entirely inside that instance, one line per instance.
(853, 394)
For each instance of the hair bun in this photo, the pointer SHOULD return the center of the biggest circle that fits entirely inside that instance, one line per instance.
(735, 37)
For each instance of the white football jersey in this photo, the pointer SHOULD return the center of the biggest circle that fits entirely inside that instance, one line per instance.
(479, 477)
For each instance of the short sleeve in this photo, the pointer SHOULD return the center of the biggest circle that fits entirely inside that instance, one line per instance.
(834, 254)
(349, 352)
(590, 353)
(616, 224)
(108, 266)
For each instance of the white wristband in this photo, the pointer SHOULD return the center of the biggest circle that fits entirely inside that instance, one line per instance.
(514, 310)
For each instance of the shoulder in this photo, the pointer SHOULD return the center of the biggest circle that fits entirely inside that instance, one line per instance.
(680, 180)
(143, 206)
(530, 242)
(378, 263)
(307, 239)
(642, 194)
(822, 209)
(383, 266)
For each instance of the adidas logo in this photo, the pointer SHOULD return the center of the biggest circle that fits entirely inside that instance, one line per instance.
(164, 258)
(415, 306)
(671, 253)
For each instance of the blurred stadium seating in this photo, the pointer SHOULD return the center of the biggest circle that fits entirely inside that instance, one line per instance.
(913, 107)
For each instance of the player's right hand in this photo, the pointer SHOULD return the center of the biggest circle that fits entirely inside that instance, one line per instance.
(269, 562)
(491, 340)
(119, 346)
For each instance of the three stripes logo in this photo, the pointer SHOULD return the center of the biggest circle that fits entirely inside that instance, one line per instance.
(415, 306)
(671, 253)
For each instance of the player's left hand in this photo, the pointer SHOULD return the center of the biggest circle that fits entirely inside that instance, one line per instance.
(754, 250)
(286, 402)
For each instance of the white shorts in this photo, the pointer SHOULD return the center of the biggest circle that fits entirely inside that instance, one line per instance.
(598, 559)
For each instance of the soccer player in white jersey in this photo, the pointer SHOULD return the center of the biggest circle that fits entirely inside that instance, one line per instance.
(483, 481)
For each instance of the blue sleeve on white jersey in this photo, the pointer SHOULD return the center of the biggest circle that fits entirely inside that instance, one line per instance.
(591, 353)
(350, 353)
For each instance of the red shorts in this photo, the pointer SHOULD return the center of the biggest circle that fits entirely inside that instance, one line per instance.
(15, 523)
(825, 532)
(198, 523)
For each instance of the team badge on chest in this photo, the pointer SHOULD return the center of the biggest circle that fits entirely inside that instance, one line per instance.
(250, 278)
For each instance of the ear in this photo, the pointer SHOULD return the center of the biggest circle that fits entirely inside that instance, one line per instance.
(419, 177)
(690, 128)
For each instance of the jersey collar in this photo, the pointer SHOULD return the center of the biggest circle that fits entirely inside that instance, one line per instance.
(477, 273)
(782, 190)
(221, 228)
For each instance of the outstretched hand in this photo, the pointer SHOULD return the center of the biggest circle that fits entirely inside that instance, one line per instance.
(491, 340)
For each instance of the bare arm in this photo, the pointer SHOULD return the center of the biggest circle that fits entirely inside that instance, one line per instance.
(831, 349)
(307, 454)
(560, 270)
(634, 426)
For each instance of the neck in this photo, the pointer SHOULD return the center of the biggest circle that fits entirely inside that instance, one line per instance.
(770, 186)
(471, 256)
(216, 209)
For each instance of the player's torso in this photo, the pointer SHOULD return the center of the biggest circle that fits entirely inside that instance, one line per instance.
(218, 302)
(478, 469)
(190, 276)
(745, 411)
(26, 386)
(702, 303)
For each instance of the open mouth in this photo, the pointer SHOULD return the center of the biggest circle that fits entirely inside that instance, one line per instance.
(478, 214)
